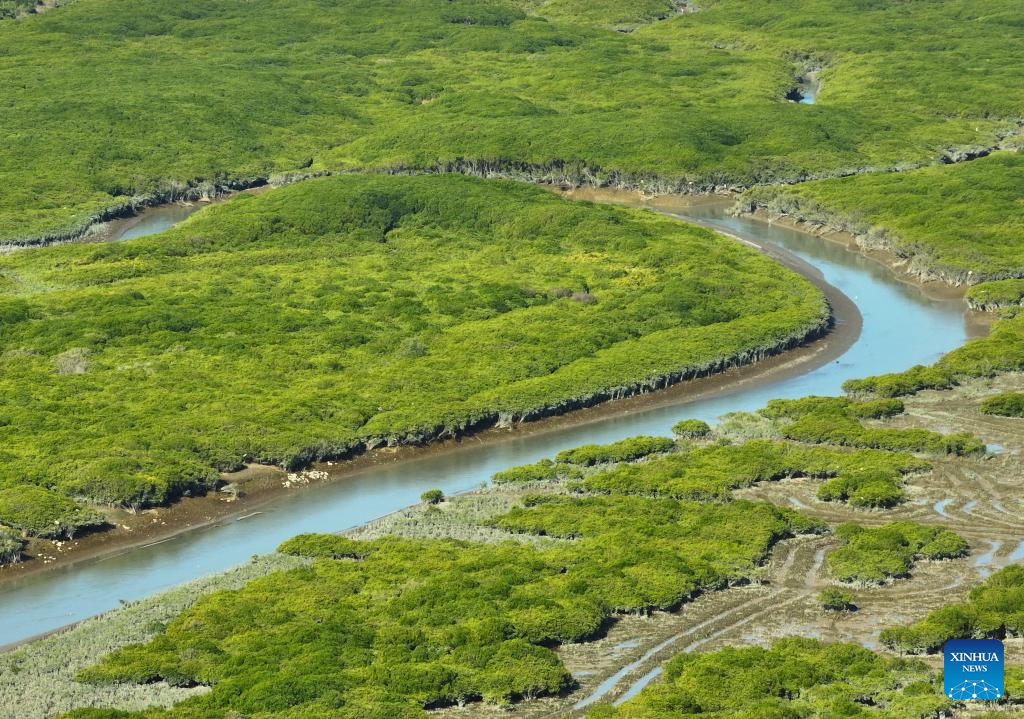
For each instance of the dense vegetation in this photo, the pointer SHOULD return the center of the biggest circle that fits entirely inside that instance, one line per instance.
(349, 312)
(1005, 404)
(792, 678)
(387, 627)
(873, 555)
(625, 450)
(181, 92)
(993, 609)
(960, 222)
(836, 420)
(39, 512)
(865, 478)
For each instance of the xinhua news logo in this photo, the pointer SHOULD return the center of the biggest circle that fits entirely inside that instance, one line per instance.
(973, 669)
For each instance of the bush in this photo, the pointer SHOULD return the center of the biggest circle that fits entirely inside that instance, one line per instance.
(874, 555)
(432, 496)
(39, 512)
(836, 420)
(864, 477)
(1007, 404)
(834, 599)
(623, 451)
(10, 547)
(691, 428)
(538, 472)
(325, 546)
(994, 609)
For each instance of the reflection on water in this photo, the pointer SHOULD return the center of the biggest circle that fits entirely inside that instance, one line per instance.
(902, 327)
(150, 221)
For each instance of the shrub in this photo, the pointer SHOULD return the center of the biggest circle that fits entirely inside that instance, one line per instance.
(874, 555)
(432, 496)
(1007, 404)
(625, 450)
(833, 599)
(691, 428)
(325, 546)
(993, 609)
(540, 471)
(39, 512)
(10, 547)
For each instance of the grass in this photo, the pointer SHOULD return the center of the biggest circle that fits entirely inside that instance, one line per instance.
(186, 95)
(341, 313)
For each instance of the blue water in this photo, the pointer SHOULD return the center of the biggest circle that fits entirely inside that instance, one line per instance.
(902, 327)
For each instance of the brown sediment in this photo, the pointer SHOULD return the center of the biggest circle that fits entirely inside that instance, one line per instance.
(261, 485)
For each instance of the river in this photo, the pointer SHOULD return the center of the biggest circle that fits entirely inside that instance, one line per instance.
(901, 327)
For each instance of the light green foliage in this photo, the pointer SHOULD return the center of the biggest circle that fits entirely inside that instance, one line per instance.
(993, 609)
(432, 496)
(872, 555)
(711, 473)
(625, 450)
(793, 678)
(836, 420)
(419, 623)
(1006, 404)
(307, 321)
(962, 222)
(38, 512)
(215, 90)
(325, 546)
(691, 428)
(541, 471)
(833, 599)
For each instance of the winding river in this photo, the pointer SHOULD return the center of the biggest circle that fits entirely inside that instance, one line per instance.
(901, 327)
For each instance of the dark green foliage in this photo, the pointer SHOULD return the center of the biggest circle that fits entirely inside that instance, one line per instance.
(872, 555)
(38, 512)
(794, 678)
(691, 428)
(214, 90)
(833, 599)
(994, 609)
(711, 473)
(418, 623)
(625, 450)
(432, 496)
(390, 309)
(1007, 404)
(836, 420)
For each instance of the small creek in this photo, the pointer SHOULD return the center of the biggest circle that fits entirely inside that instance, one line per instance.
(901, 327)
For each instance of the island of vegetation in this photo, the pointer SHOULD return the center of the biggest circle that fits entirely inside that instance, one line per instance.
(342, 314)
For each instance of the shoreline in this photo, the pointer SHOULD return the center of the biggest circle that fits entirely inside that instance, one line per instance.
(263, 484)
